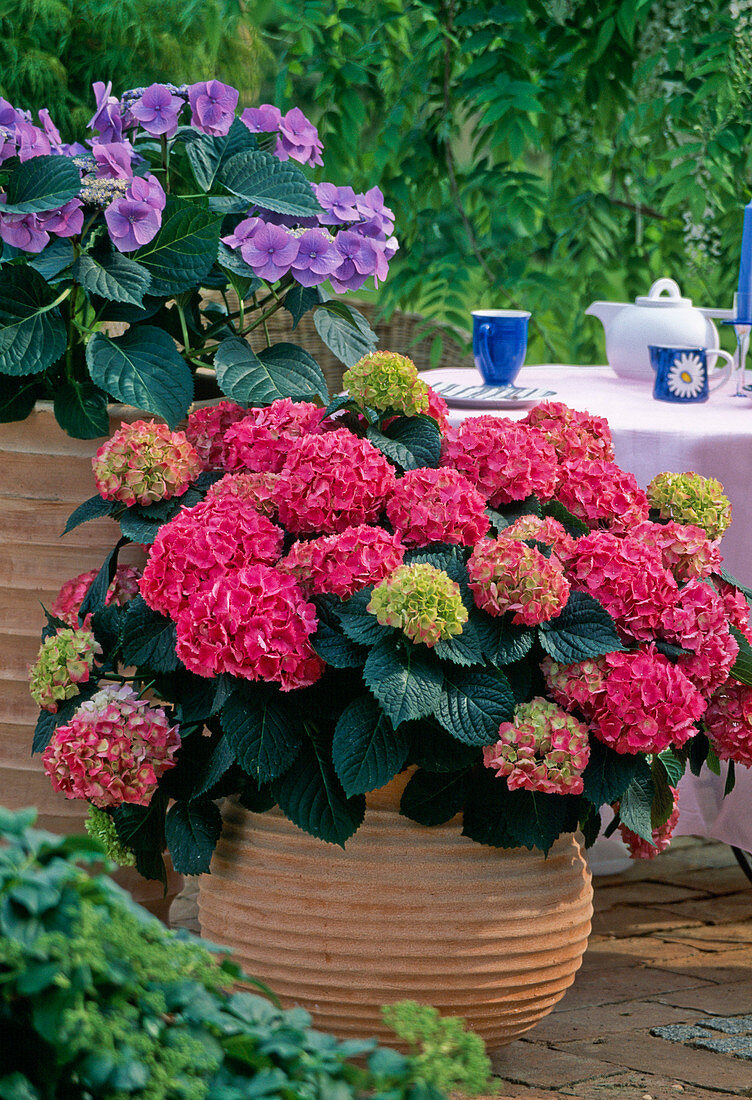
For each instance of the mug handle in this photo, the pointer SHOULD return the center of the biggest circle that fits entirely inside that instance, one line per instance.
(485, 351)
(725, 371)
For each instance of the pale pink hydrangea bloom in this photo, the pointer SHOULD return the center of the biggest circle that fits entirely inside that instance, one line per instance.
(543, 749)
(547, 530)
(343, 563)
(639, 848)
(687, 551)
(577, 685)
(505, 460)
(254, 487)
(728, 722)
(437, 506)
(253, 623)
(574, 434)
(113, 750)
(144, 462)
(601, 493)
(506, 575)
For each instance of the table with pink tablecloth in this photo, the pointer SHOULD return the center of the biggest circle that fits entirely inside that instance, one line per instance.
(715, 440)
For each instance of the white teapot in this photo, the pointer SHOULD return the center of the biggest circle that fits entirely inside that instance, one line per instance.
(661, 317)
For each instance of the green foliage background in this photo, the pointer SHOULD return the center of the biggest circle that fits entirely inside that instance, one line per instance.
(538, 153)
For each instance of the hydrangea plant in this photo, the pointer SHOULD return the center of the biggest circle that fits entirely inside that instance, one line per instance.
(172, 195)
(343, 593)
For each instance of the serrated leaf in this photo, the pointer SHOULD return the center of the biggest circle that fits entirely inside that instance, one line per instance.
(93, 508)
(367, 752)
(32, 331)
(673, 765)
(243, 277)
(137, 529)
(501, 640)
(636, 802)
(97, 591)
(433, 799)
(590, 824)
(336, 650)
(406, 682)
(712, 763)
(208, 155)
(360, 625)
(263, 736)
(142, 368)
(40, 184)
(507, 514)
(142, 827)
(397, 453)
(184, 249)
(192, 830)
(81, 410)
(662, 805)
(314, 799)
(472, 705)
(113, 276)
(730, 779)
(741, 669)
(608, 773)
(149, 638)
(436, 751)
(420, 435)
(699, 747)
(56, 258)
(461, 649)
(347, 339)
(502, 818)
(220, 761)
(582, 629)
(299, 300)
(571, 524)
(283, 370)
(743, 588)
(280, 186)
(18, 396)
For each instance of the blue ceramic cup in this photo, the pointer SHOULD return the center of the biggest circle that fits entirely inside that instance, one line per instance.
(682, 374)
(499, 343)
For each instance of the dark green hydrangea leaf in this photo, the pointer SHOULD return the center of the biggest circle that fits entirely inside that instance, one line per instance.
(149, 638)
(367, 752)
(582, 629)
(473, 703)
(608, 773)
(312, 796)
(265, 738)
(405, 680)
(432, 799)
(635, 806)
(192, 830)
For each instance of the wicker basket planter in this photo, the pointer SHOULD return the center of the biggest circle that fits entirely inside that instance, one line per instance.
(493, 935)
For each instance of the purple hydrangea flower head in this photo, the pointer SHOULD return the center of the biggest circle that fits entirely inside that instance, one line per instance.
(358, 258)
(107, 119)
(73, 149)
(317, 258)
(51, 130)
(213, 105)
(157, 110)
(338, 204)
(66, 221)
(113, 160)
(298, 138)
(8, 146)
(32, 142)
(9, 116)
(265, 119)
(134, 221)
(371, 208)
(22, 230)
(147, 189)
(270, 251)
(243, 232)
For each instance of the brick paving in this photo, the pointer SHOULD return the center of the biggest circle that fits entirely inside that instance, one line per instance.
(671, 946)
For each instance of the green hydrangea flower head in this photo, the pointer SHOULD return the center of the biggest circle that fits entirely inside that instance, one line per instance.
(691, 498)
(422, 601)
(64, 661)
(100, 826)
(385, 380)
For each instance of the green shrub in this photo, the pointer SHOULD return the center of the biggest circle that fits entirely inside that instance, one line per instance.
(98, 1001)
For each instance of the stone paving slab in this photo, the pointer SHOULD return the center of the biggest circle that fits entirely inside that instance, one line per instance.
(529, 1063)
(637, 1086)
(583, 1023)
(735, 997)
(631, 920)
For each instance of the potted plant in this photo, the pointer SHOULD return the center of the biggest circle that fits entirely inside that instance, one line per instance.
(142, 268)
(382, 639)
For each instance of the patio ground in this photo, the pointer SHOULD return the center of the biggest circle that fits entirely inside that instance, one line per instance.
(671, 945)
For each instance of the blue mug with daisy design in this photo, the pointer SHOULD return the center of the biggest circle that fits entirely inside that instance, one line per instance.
(682, 375)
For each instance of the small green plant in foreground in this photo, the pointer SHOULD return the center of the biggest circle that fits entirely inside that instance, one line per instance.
(98, 1001)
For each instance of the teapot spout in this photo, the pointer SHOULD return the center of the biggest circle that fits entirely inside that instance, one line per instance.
(605, 311)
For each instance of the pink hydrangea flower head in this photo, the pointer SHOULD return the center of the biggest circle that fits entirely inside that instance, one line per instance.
(579, 685)
(261, 439)
(697, 621)
(438, 409)
(691, 498)
(687, 551)
(254, 623)
(388, 382)
(728, 722)
(113, 750)
(144, 462)
(573, 434)
(640, 848)
(546, 530)
(421, 601)
(437, 506)
(627, 577)
(343, 563)
(213, 106)
(735, 606)
(507, 575)
(68, 601)
(202, 544)
(332, 481)
(647, 703)
(205, 428)
(543, 749)
(505, 460)
(64, 661)
(256, 488)
(601, 494)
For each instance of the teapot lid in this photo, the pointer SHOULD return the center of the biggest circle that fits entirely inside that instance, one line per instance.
(655, 296)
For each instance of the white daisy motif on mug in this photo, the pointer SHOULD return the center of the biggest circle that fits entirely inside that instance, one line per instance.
(685, 377)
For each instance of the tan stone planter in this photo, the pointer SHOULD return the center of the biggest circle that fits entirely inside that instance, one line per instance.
(404, 911)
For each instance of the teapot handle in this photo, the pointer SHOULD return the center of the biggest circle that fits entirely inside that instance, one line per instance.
(661, 285)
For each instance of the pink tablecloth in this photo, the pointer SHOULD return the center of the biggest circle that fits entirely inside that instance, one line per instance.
(714, 439)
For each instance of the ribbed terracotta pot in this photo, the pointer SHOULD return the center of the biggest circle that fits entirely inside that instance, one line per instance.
(44, 475)
(492, 935)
